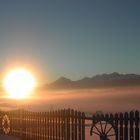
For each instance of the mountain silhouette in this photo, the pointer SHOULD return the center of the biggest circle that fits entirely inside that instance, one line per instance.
(61, 83)
(104, 80)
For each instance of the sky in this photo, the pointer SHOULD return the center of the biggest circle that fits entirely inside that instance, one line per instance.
(70, 38)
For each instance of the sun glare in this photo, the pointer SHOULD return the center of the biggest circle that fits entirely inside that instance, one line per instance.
(19, 83)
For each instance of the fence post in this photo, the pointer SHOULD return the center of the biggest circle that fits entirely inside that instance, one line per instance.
(116, 125)
(76, 116)
(64, 125)
(72, 124)
(68, 123)
(136, 125)
(48, 125)
(121, 126)
(53, 126)
(126, 126)
(79, 125)
(83, 126)
(59, 124)
(131, 125)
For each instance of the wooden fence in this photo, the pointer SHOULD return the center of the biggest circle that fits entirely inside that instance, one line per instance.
(69, 125)
(125, 125)
(53, 125)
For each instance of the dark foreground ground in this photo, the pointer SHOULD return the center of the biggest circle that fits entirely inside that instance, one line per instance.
(3, 137)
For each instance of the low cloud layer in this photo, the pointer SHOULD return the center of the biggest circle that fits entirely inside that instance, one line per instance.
(105, 100)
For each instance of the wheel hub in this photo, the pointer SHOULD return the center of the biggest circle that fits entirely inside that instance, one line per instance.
(103, 136)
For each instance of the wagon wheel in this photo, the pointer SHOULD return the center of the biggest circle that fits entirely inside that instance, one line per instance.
(105, 130)
(6, 124)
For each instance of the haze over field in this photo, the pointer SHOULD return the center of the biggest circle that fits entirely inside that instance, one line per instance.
(88, 100)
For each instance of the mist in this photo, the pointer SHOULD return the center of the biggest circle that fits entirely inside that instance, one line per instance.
(87, 100)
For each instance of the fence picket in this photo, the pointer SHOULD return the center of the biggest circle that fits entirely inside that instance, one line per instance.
(83, 126)
(131, 125)
(76, 116)
(126, 126)
(136, 125)
(116, 125)
(121, 126)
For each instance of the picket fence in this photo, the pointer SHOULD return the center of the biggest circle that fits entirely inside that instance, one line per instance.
(68, 124)
(51, 125)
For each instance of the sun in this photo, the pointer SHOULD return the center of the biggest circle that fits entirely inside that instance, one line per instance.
(19, 83)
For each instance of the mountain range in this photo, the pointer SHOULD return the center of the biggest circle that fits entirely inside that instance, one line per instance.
(99, 81)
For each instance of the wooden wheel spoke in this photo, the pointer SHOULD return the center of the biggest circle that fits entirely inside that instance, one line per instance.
(105, 126)
(97, 129)
(111, 135)
(101, 126)
(96, 133)
(109, 130)
(104, 129)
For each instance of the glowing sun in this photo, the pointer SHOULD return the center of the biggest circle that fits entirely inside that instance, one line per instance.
(19, 83)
